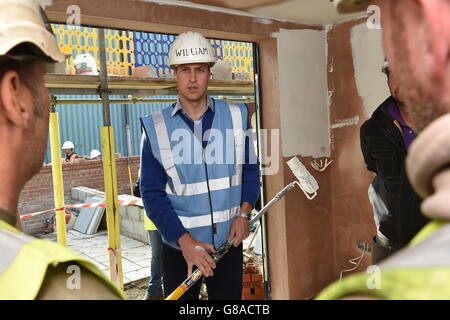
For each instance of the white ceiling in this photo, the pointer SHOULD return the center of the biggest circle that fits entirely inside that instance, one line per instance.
(320, 12)
(305, 11)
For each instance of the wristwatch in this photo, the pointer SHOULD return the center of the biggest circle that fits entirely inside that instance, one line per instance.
(247, 216)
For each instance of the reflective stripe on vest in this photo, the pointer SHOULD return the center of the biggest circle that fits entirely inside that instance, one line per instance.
(24, 262)
(205, 220)
(418, 272)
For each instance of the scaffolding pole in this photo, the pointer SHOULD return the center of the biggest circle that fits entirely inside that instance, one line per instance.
(109, 170)
(58, 185)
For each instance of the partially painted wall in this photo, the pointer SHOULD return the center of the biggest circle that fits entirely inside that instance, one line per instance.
(357, 87)
(303, 93)
(321, 109)
(368, 58)
(301, 259)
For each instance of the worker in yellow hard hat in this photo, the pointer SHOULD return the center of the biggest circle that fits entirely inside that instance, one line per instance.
(416, 38)
(32, 268)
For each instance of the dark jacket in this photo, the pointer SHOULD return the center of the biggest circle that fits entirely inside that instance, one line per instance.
(384, 153)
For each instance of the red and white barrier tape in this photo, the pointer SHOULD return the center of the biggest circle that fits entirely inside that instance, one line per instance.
(135, 202)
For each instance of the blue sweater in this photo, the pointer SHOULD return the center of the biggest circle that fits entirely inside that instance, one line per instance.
(154, 179)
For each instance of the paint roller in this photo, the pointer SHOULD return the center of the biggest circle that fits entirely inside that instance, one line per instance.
(307, 184)
(306, 181)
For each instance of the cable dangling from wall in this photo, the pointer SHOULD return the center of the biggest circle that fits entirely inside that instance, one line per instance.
(320, 166)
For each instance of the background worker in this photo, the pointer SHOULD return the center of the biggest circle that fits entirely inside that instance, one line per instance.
(155, 288)
(385, 139)
(71, 156)
(31, 268)
(416, 38)
(196, 203)
(95, 154)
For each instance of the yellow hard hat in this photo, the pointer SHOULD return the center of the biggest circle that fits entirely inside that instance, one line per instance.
(350, 6)
(25, 22)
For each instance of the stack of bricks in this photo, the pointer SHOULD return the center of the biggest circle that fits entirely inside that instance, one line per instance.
(252, 283)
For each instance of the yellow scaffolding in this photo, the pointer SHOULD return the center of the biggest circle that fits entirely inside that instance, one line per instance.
(58, 185)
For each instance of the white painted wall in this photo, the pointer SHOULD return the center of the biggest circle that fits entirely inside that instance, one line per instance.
(368, 57)
(303, 87)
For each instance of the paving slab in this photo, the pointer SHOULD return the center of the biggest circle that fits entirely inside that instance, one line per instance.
(138, 274)
(128, 266)
(137, 254)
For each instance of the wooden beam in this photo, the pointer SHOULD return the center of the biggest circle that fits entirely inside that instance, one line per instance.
(170, 19)
(58, 83)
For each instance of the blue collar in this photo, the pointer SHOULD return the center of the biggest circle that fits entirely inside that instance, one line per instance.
(178, 106)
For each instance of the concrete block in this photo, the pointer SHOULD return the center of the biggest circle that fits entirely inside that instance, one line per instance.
(123, 212)
(138, 229)
(75, 193)
(83, 195)
(127, 225)
(142, 214)
(133, 213)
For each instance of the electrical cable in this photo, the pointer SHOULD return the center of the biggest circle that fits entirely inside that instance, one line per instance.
(355, 262)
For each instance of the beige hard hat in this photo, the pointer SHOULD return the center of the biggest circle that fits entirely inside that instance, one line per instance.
(350, 6)
(191, 47)
(25, 22)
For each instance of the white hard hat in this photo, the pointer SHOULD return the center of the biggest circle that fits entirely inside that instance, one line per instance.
(24, 22)
(95, 153)
(350, 6)
(68, 145)
(85, 64)
(191, 47)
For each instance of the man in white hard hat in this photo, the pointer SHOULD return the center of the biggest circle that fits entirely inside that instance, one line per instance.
(71, 156)
(416, 38)
(196, 199)
(32, 268)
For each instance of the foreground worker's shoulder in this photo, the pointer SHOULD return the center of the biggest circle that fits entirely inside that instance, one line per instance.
(351, 287)
(30, 262)
(72, 281)
(81, 278)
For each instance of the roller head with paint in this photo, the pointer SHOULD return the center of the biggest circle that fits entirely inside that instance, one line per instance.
(306, 181)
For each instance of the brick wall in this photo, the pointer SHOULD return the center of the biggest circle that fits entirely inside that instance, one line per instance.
(38, 192)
